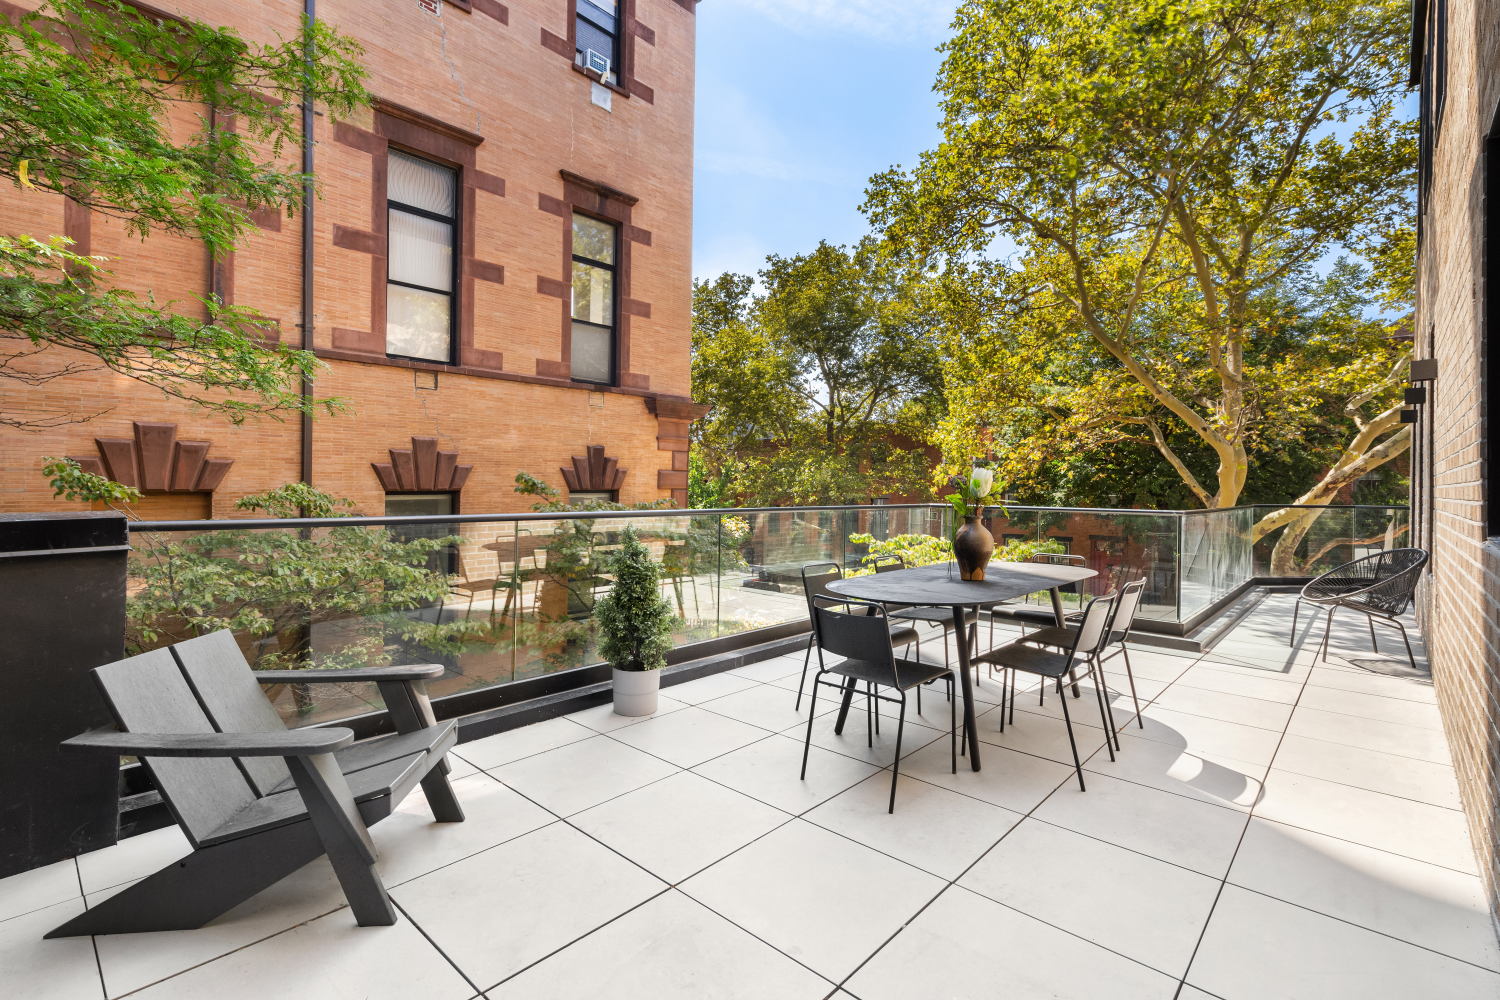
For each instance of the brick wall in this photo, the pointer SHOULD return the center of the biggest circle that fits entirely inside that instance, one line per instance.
(1459, 602)
(488, 74)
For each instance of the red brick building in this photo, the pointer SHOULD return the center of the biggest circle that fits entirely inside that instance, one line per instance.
(498, 276)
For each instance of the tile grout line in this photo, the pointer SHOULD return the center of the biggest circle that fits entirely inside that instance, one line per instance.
(1182, 983)
(435, 946)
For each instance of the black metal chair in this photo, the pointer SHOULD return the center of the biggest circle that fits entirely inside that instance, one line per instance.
(926, 615)
(1084, 649)
(1034, 616)
(1122, 621)
(864, 642)
(815, 585)
(1379, 586)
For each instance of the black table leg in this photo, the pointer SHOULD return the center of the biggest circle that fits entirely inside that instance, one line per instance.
(963, 675)
(838, 729)
(1057, 613)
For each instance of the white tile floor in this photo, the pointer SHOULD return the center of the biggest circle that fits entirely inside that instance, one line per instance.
(1273, 826)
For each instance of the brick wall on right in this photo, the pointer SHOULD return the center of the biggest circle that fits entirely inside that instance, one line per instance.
(1459, 601)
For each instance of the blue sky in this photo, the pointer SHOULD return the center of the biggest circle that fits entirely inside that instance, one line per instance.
(799, 102)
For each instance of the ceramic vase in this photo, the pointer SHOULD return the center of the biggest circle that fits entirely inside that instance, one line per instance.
(972, 548)
(635, 691)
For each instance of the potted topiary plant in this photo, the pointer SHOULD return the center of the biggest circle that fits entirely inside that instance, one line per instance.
(635, 626)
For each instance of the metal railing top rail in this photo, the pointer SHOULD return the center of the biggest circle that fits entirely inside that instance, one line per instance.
(372, 521)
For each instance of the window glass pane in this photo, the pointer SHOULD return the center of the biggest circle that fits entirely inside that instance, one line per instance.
(592, 349)
(593, 300)
(417, 323)
(419, 184)
(601, 12)
(417, 504)
(593, 239)
(421, 251)
(590, 37)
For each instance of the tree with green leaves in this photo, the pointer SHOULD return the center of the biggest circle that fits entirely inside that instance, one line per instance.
(635, 624)
(1164, 168)
(88, 89)
(822, 385)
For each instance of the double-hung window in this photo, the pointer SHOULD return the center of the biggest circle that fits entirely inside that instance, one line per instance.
(593, 300)
(422, 207)
(597, 32)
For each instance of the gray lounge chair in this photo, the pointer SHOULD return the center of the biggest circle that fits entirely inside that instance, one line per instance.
(258, 801)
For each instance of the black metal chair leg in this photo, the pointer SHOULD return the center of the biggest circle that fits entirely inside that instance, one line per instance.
(1103, 719)
(1409, 654)
(896, 764)
(805, 661)
(1103, 686)
(1077, 764)
(1130, 674)
(953, 732)
(1373, 641)
(1012, 696)
(1295, 608)
(1326, 632)
(812, 713)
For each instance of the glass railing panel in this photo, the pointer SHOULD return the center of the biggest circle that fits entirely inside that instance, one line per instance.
(1217, 556)
(762, 576)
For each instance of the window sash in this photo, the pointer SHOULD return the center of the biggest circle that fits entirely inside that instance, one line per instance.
(421, 260)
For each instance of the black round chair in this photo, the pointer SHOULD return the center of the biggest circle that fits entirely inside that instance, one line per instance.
(1378, 586)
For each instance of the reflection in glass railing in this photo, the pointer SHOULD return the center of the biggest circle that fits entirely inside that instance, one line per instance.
(503, 598)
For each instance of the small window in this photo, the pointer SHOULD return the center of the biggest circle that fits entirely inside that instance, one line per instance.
(606, 496)
(422, 210)
(597, 33)
(443, 560)
(593, 300)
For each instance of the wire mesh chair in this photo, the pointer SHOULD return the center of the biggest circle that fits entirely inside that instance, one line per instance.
(1378, 586)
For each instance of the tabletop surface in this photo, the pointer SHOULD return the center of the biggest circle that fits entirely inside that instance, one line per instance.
(940, 584)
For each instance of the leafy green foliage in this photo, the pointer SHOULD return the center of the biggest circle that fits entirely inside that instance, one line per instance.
(1169, 174)
(91, 95)
(914, 550)
(295, 500)
(635, 624)
(823, 387)
(70, 482)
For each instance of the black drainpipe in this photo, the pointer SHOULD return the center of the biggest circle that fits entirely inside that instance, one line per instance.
(310, 9)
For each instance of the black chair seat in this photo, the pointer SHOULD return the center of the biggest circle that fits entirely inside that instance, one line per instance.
(909, 673)
(935, 616)
(1019, 656)
(436, 740)
(1052, 635)
(1026, 614)
(385, 783)
(903, 634)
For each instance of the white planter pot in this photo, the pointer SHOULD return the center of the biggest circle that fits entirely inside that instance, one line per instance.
(635, 691)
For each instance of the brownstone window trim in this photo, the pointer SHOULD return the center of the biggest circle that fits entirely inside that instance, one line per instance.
(607, 205)
(448, 145)
(463, 228)
(625, 37)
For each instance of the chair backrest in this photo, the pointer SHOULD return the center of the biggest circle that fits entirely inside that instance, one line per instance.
(149, 694)
(865, 637)
(1061, 559)
(1093, 631)
(1126, 606)
(221, 679)
(888, 563)
(1396, 577)
(815, 580)
(1058, 558)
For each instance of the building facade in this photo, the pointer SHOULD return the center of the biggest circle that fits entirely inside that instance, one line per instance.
(1455, 514)
(497, 274)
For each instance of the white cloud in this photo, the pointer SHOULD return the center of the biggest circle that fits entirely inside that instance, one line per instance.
(921, 21)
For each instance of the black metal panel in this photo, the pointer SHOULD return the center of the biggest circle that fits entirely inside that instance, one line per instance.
(65, 615)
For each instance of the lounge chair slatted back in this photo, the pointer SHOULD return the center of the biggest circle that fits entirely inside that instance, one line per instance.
(148, 694)
(215, 668)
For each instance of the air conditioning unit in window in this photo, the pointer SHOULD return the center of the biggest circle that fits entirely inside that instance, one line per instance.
(596, 62)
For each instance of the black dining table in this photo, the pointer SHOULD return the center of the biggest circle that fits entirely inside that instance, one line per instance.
(941, 586)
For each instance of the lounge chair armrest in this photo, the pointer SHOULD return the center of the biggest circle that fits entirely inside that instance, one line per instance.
(408, 672)
(289, 743)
